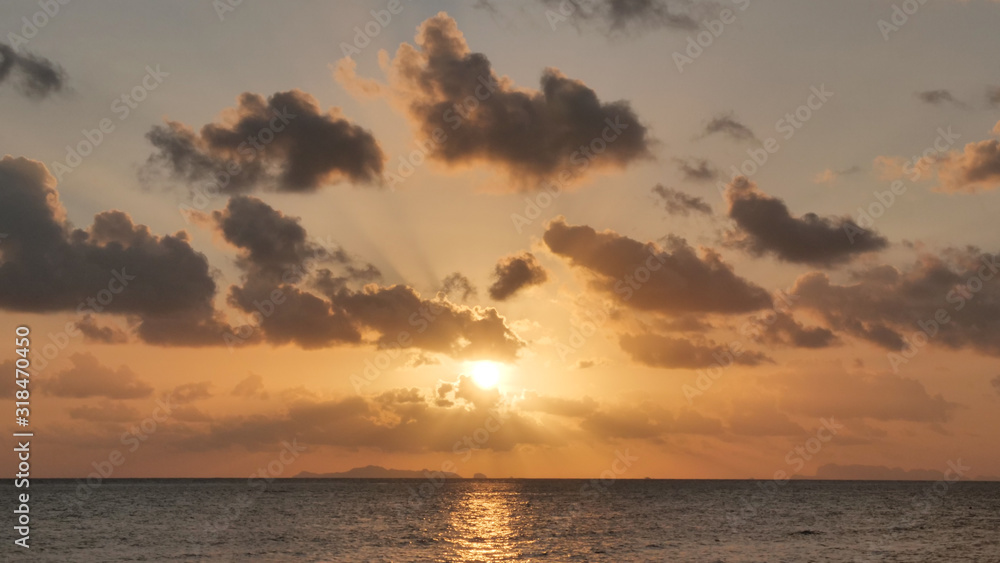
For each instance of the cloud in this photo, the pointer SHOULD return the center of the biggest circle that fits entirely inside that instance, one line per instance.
(629, 16)
(973, 169)
(515, 273)
(766, 226)
(285, 143)
(993, 95)
(94, 332)
(679, 281)
(679, 353)
(252, 386)
(431, 325)
(88, 378)
(398, 420)
(457, 284)
(33, 76)
(107, 411)
(888, 306)
(191, 392)
(588, 363)
(679, 203)
(995, 382)
(281, 262)
(465, 113)
(763, 420)
(727, 124)
(830, 176)
(822, 392)
(940, 97)
(783, 329)
(697, 169)
(114, 267)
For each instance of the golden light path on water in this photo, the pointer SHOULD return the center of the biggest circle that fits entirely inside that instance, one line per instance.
(483, 526)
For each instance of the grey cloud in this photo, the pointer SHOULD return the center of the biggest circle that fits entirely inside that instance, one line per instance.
(679, 203)
(515, 273)
(33, 76)
(766, 226)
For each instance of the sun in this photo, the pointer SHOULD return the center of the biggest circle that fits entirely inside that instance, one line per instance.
(485, 374)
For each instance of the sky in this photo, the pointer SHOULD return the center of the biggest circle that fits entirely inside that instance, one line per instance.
(720, 239)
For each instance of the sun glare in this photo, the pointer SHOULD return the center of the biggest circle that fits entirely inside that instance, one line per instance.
(486, 374)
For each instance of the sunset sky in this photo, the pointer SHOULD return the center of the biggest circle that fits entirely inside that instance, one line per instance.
(722, 239)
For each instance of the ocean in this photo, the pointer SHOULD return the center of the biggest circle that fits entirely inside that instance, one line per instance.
(307, 520)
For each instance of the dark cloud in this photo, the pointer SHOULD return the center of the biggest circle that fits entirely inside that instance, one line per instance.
(535, 135)
(618, 16)
(455, 284)
(94, 332)
(887, 306)
(432, 325)
(677, 280)
(279, 262)
(679, 353)
(114, 267)
(32, 76)
(89, 378)
(679, 203)
(939, 97)
(286, 143)
(783, 329)
(514, 273)
(765, 225)
(399, 420)
(696, 169)
(728, 125)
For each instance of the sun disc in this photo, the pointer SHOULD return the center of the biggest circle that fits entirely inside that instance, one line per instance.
(485, 374)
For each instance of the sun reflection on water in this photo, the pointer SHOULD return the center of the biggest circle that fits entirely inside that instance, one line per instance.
(483, 524)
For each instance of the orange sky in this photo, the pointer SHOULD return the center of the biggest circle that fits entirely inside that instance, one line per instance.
(506, 240)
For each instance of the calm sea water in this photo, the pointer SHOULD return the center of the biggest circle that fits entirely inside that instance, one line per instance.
(509, 520)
